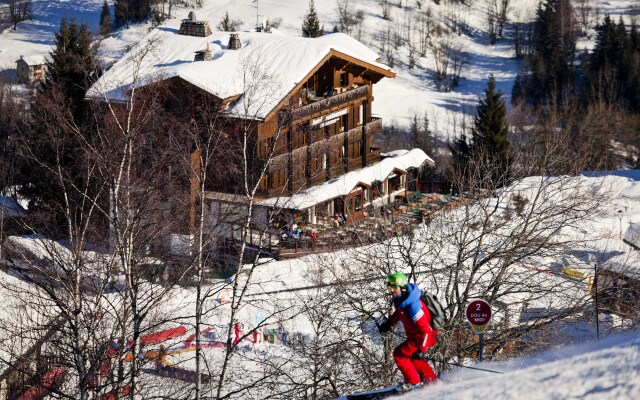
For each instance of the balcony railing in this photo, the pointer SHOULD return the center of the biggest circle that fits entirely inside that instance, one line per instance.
(373, 155)
(318, 106)
(375, 126)
(334, 142)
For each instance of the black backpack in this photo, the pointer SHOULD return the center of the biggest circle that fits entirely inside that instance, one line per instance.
(438, 318)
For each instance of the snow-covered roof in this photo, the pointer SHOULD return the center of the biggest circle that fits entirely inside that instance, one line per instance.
(10, 208)
(265, 69)
(343, 185)
(34, 60)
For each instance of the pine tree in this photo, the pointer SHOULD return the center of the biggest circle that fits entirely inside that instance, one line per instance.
(126, 11)
(489, 136)
(634, 36)
(460, 158)
(105, 20)
(555, 35)
(59, 107)
(121, 12)
(226, 24)
(311, 24)
(72, 66)
(517, 91)
(421, 136)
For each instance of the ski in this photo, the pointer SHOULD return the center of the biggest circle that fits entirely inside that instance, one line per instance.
(377, 395)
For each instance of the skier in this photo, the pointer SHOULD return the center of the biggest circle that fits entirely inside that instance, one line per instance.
(237, 327)
(414, 315)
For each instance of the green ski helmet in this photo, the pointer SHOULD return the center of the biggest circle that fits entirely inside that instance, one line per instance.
(396, 279)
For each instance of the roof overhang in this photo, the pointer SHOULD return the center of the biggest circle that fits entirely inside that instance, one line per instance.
(376, 74)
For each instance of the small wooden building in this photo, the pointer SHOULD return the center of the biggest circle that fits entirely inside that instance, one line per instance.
(618, 289)
(30, 70)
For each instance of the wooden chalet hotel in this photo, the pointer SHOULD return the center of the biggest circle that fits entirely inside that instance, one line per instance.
(311, 108)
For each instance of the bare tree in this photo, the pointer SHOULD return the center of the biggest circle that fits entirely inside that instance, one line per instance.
(425, 27)
(19, 11)
(496, 18)
(585, 13)
(143, 187)
(386, 9)
(449, 59)
(68, 284)
(456, 15)
(492, 16)
(503, 9)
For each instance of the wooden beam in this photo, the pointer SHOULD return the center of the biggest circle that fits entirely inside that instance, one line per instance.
(374, 68)
(362, 71)
(340, 63)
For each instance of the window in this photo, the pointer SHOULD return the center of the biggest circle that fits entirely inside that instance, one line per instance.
(265, 146)
(311, 85)
(377, 190)
(394, 184)
(344, 79)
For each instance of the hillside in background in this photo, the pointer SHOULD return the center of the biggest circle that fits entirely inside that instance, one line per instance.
(462, 29)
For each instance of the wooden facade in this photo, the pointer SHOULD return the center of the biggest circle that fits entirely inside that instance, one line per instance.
(323, 129)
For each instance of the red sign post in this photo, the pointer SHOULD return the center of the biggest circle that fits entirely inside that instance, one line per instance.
(479, 315)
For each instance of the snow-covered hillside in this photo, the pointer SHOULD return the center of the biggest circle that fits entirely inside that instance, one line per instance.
(397, 100)
(606, 370)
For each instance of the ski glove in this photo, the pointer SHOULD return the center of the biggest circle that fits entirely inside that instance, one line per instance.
(419, 355)
(385, 327)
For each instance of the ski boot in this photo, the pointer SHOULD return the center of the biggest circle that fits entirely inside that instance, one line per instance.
(407, 387)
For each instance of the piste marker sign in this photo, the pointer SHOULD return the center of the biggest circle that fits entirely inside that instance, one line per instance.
(478, 314)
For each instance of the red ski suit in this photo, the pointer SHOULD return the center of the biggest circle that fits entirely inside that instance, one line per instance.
(420, 337)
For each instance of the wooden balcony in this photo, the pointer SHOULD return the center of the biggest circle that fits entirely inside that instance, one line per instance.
(355, 163)
(354, 134)
(375, 126)
(322, 104)
(373, 156)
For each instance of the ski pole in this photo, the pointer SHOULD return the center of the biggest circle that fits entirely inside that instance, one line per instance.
(464, 366)
(375, 320)
(456, 364)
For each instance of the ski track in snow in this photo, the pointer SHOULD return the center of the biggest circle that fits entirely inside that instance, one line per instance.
(606, 370)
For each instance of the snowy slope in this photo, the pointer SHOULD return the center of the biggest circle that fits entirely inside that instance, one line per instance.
(606, 370)
(36, 37)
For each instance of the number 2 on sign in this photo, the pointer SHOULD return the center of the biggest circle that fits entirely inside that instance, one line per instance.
(478, 307)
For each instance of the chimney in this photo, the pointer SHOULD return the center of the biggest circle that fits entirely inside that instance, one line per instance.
(203, 55)
(234, 42)
(192, 27)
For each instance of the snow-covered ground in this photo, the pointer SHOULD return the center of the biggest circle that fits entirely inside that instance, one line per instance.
(605, 370)
(412, 92)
